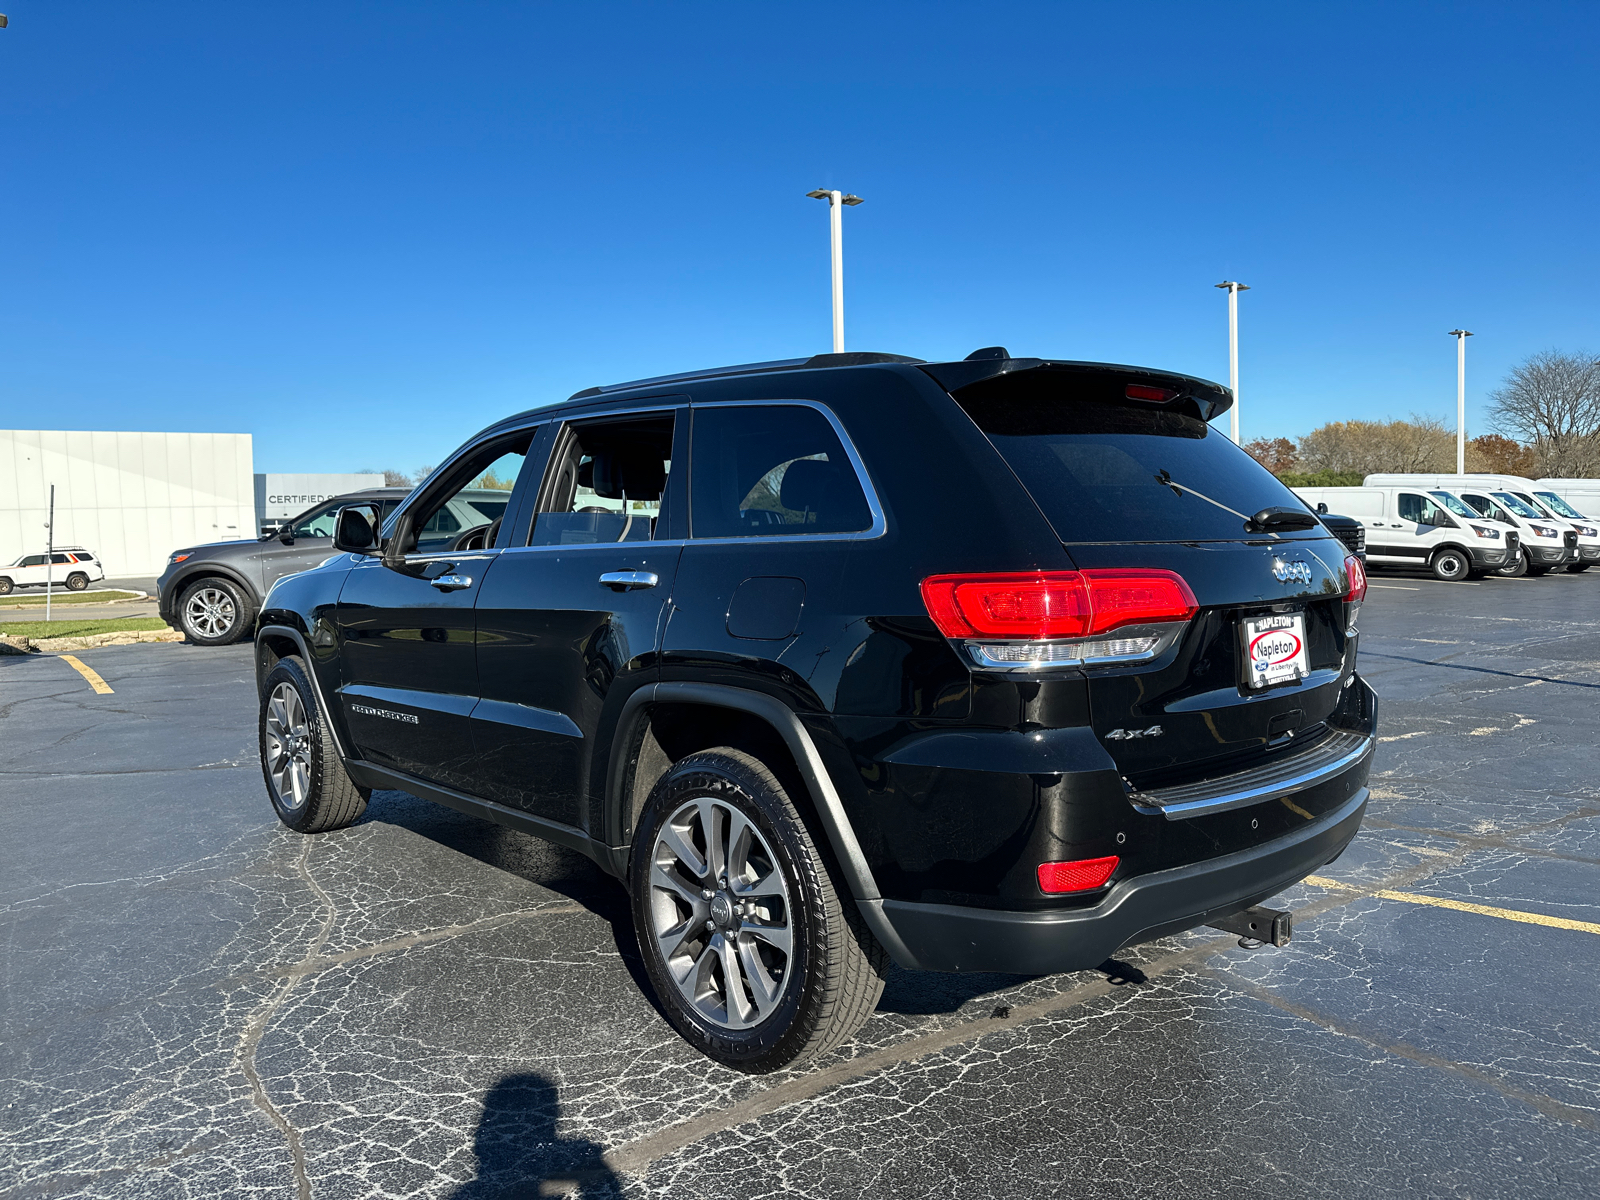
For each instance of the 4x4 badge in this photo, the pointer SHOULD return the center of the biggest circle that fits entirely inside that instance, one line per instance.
(1127, 735)
(1291, 570)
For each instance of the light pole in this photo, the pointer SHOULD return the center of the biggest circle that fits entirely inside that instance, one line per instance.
(1461, 336)
(836, 202)
(1233, 352)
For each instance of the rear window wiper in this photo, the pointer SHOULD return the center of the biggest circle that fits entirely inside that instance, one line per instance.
(1267, 520)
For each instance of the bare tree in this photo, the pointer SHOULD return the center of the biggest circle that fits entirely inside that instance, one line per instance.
(1551, 401)
(391, 477)
(420, 475)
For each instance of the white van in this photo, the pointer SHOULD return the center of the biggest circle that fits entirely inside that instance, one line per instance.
(1514, 496)
(1581, 496)
(1416, 527)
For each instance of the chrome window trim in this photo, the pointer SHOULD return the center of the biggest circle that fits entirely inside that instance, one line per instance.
(877, 529)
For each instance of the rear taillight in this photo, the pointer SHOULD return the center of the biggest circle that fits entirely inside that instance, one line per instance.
(1357, 574)
(1081, 875)
(1358, 579)
(1042, 618)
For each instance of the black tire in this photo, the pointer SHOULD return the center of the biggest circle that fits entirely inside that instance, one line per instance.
(1450, 565)
(5, 586)
(309, 788)
(831, 977)
(1537, 570)
(77, 581)
(1517, 569)
(1578, 568)
(215, 612)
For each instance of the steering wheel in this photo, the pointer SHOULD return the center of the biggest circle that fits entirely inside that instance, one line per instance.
(479, 537)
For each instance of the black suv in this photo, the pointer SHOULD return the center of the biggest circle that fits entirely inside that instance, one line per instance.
(993, 665)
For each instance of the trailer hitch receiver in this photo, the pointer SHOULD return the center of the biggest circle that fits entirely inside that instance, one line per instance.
(1261, 926)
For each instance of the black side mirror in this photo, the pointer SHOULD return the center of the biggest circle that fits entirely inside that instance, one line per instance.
(356, 530)
(286, 537)
(1322, 506)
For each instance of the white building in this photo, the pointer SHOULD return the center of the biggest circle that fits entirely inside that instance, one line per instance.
(132, 498)
(279, 497)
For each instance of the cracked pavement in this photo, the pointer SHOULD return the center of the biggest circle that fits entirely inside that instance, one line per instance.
(196, 1002)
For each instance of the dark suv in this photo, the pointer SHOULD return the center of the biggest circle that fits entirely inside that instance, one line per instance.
(995, 665)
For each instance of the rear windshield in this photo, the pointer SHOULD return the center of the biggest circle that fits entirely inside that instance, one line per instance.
(1100, 470)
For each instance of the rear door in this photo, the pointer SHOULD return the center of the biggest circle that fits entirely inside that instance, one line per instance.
(570, 621)
(1128, 484)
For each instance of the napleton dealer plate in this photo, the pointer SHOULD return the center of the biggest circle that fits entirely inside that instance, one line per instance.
(1274, 649)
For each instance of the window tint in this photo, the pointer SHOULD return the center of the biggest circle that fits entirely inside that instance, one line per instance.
(33, 560)
(762, 470)
(605, 483)
(59, 558)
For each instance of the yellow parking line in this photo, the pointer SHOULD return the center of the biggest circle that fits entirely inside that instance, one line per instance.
(89, 673)
(1483, 910)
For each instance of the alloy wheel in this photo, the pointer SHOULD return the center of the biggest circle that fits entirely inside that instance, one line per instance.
(288, 746)
(720, 913)
(209, 612)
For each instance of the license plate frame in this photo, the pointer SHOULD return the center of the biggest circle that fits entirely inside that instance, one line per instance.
(1267, 658)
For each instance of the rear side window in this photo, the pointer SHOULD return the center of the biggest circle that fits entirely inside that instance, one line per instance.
(1107, 469)
(768, 470)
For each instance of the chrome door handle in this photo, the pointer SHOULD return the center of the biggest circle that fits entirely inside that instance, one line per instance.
(452, 583)
(629, 581)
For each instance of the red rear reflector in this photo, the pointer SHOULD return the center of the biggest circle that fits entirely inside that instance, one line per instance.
(1358, 577)
(1083, 875)
(1138, 391)
(1046, 605)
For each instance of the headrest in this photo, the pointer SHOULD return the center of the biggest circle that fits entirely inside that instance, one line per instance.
(807, 484)
(635, 469)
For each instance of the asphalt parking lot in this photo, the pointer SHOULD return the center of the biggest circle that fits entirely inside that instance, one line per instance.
(196, 1002)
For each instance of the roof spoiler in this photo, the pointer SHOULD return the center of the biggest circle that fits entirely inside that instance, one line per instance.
(1213, 398)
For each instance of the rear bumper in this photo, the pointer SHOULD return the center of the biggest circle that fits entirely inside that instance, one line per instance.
(939, 937)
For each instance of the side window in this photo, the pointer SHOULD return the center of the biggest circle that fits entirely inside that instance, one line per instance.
(1412, 507)
(770, 470)
(33, 560)
(60, 558)
(1481, 503)
(444, 520)
(318, 523)
(605, 483)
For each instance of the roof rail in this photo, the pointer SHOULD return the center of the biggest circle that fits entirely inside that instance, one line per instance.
(854, 359)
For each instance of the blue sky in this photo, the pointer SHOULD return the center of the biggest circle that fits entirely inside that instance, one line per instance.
(361, 232)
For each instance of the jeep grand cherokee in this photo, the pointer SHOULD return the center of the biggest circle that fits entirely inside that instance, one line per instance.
(992, 665)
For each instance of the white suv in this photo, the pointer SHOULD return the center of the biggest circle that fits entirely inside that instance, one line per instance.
(73, 567)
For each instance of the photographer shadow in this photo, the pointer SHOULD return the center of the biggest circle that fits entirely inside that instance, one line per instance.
(520, 1155)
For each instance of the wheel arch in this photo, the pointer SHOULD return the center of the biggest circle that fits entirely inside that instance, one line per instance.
(662, 723)
(277, 642)
(205, 570)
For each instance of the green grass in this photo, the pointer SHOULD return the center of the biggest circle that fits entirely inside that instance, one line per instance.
(69, 628)
(18, 599)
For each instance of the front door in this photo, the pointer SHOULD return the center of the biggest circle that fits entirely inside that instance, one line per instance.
(407, 631)
(570, 621)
